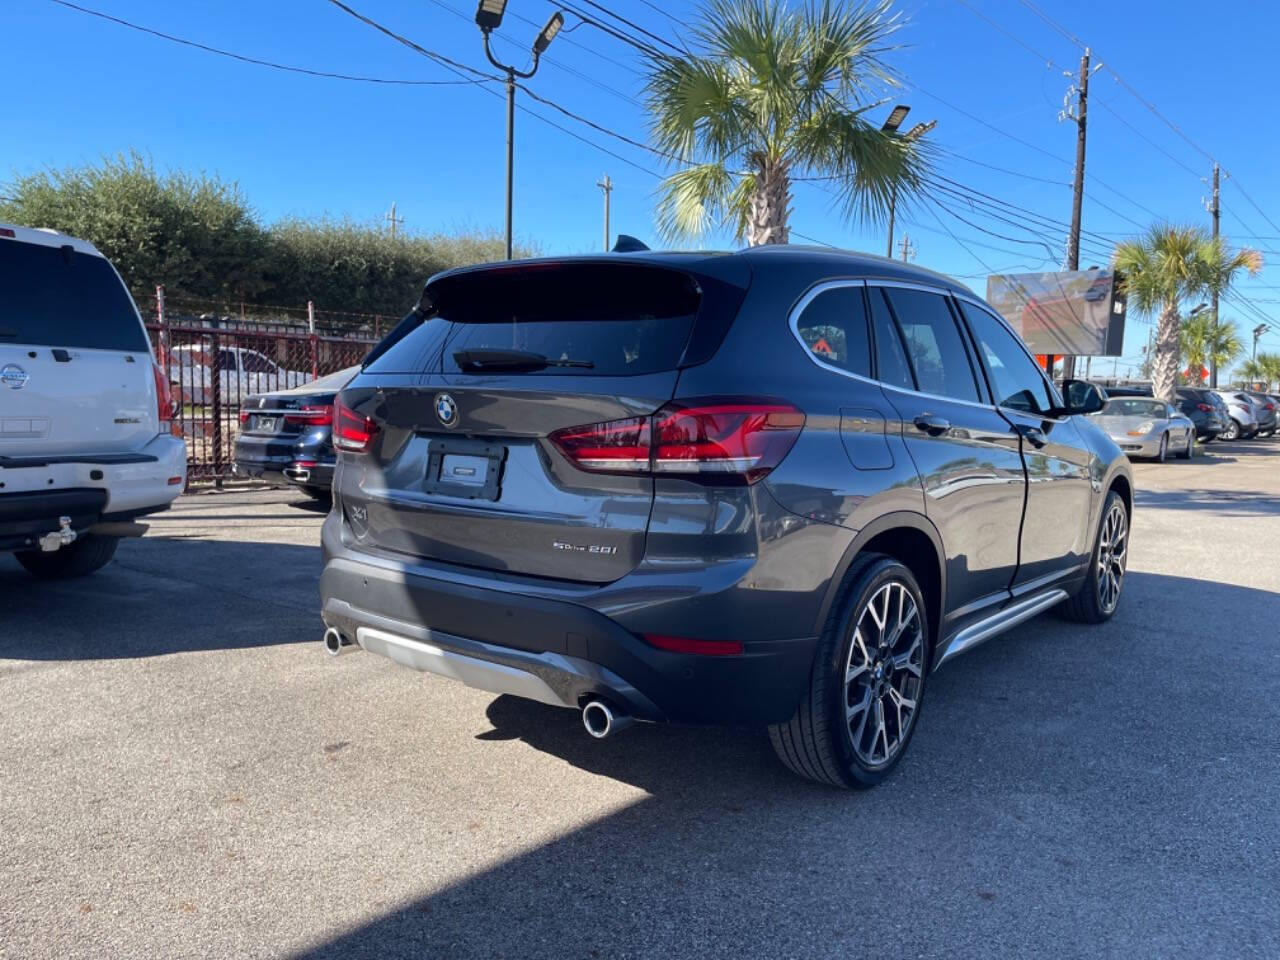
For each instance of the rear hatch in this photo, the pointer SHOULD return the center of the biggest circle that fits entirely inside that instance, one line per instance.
(76, 375)
(464, 468)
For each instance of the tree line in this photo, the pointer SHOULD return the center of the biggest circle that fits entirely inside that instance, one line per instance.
(198, 235)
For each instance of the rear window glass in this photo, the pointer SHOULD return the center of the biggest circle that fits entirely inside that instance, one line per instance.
(584, 319)
(56, 297)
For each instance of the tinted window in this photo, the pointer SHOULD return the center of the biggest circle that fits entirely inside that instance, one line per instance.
(257, 363)
(227, 360)
(934, 345)
(53, 296)
(1015, 379)
(891, 359)
(609, 320)
(834, 327)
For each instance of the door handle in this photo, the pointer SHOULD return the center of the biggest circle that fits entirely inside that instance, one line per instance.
(933, 425)
(1033, 435)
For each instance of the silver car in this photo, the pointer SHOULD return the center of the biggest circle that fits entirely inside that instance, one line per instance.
(1242, 422)
(1264, 408)
(1143, 427)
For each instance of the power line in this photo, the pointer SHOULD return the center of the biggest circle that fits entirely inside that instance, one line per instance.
(243, 58)
(632, 24)
(440, 58)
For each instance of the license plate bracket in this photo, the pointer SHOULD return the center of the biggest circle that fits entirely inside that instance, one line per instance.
(263, 424)
(470, 469)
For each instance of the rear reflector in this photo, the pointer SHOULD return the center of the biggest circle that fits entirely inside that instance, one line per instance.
(351, 431)
(711, 648)
(174, 481)
(733, 441)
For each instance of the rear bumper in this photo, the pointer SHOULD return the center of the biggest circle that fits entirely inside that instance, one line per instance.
(558, 651)
(284, 463)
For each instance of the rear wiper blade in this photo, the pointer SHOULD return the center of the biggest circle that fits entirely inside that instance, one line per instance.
(483, 359)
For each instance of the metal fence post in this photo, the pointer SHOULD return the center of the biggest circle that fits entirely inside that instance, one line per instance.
(215, 385)
(311, 336)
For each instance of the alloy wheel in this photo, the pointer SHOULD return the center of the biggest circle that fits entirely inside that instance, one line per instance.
(884, 674)
(1113, 551)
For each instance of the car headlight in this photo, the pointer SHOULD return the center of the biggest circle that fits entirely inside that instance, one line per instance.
(1143, 429)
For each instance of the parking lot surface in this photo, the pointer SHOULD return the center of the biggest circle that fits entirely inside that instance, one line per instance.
(183, 773)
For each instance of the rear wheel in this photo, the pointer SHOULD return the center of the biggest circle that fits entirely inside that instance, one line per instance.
(77, 559)
(867, 684)
(1233, 430)
(1099, 595)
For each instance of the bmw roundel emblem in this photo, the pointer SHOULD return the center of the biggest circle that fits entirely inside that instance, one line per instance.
(446, 409)
(14, 377)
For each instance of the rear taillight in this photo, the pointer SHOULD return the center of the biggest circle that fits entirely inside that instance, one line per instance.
(351, 431)
(1204, 407)
(244, 416)
(715, 441)
(312, 415)
(164, 399)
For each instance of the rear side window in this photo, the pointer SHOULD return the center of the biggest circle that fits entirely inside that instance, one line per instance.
(582, 319)
(834, 328)
(934, 346)
(891, 359)
(56, 297)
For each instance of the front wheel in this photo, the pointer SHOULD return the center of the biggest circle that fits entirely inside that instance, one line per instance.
(1190, 452)
(1233, 430)
(77, 559)
(859, 710)
(1099, 595)
(1164, 448)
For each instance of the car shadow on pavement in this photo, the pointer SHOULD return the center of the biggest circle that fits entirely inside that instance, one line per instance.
(1237, 503)
(164, 595)
(1061, 774)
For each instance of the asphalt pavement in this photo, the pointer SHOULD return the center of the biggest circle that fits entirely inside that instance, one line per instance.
(183, 773)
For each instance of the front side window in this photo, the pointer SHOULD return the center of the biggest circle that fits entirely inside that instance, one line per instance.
(834, 328)
(1015, 379)
(934, 344)
(227, 359)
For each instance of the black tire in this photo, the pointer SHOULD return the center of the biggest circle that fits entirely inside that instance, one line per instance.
(1164, 448)
(1190, 452)
(318, 493)
(1232, 432)
(77, 559)
(1087, 605)
(818, 742)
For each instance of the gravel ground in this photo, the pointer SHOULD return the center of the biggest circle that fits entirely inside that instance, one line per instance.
(185, 774)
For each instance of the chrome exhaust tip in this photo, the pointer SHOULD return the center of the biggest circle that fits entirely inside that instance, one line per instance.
(600, 720)
(336, 642)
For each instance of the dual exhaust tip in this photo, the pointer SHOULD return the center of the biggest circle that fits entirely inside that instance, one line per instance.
(598, 717)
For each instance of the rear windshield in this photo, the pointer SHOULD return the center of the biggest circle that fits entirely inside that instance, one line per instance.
(584, 319)
(56, 297)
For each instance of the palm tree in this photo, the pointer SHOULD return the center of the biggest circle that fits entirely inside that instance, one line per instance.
(1207, 344)
(1270, 364)
(1251, 373)
(773, 94)
(1167, 265)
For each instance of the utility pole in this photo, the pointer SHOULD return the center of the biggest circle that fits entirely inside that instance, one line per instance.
(1213, 212)
(1258, 331)
(392, 219)
(606, 186)
(906, 248)
(1080, 115)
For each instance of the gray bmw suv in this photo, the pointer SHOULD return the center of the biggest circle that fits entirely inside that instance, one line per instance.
(775, 487)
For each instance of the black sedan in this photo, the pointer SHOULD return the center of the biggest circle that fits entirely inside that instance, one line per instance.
(286, 437)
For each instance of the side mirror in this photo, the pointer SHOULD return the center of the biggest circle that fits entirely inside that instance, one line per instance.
(1082, 397)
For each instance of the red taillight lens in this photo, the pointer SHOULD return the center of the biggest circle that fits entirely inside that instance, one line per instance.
(312, 415)
(164, 399)
(716, 441)
(714, 648)
(351, 431)
(244, 416)
(1204, 407)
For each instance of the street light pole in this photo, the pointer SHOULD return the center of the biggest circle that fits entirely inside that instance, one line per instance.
(891, 125)
(489, 18)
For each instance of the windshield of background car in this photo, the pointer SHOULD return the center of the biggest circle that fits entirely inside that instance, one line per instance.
(1132, 407)
(57, 297)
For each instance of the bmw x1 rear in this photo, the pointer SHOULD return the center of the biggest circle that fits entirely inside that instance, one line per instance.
(633, 486)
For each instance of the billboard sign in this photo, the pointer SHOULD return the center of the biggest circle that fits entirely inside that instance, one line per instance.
(1078, 313)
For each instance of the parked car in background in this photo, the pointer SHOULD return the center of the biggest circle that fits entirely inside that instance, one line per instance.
(1242, 422)
(286, 436)
(85, 445)
(241, 372)
(1264, 408)
(1205, 409)
(1144, 427)
(736, 488)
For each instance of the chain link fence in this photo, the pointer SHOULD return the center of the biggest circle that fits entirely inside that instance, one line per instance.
(215, 358)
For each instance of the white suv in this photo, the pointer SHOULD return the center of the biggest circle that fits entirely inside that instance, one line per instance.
(85, 442)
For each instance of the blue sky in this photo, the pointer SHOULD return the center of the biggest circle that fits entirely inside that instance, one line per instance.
(309, 146)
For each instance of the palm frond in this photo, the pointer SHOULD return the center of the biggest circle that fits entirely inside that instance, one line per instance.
(692, 201)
